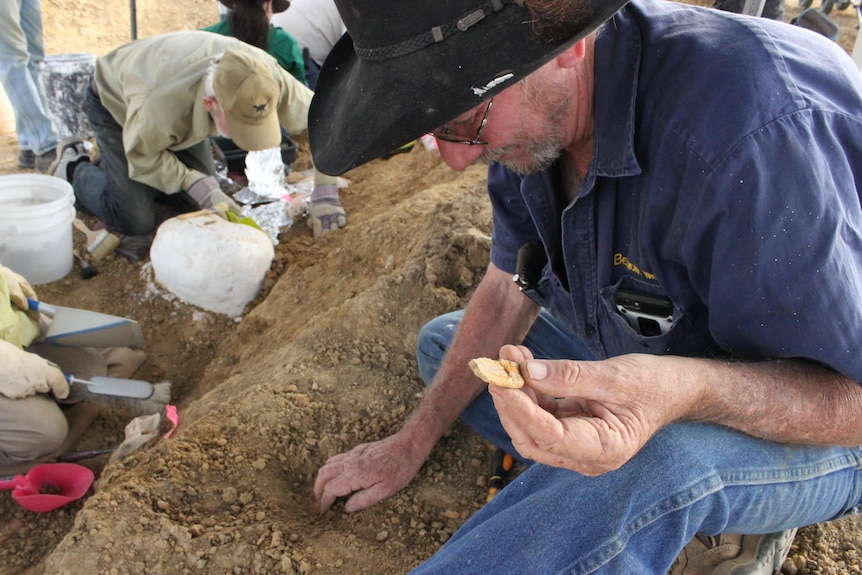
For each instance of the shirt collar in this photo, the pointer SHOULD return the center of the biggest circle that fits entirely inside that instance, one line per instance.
(617, 61)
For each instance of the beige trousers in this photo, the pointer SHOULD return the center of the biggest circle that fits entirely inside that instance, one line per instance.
(39, 428)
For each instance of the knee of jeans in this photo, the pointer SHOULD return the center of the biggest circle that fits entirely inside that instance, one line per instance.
(432, 342)
(138, 221)
(137, 228)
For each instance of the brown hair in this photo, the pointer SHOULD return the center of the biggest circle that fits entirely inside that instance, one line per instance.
(250, 23)
(556, 20)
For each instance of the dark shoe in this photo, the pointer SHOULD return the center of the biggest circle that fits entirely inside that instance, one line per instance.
(26, 159)
(135, 247)
(70, 152)
(732, 554)
(43, 162)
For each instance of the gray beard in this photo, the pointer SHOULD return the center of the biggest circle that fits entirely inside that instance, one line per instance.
(540, 155)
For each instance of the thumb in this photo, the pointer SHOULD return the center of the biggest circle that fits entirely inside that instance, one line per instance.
(558, 378)
(58, 384)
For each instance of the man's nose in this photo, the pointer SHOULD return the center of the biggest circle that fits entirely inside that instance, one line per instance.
(459, 156)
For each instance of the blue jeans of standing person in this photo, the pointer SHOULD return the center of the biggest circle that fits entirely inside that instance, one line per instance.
(106, 191)
(689, 478)
(22, 51)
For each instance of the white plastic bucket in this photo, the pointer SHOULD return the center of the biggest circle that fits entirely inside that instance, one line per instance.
(36, 213)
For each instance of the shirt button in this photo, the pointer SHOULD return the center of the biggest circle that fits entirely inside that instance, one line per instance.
(590, 330)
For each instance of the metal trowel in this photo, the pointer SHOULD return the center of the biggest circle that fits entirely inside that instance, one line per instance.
(80, 328)
(117, 386)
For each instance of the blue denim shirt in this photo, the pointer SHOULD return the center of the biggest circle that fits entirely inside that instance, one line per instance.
(725, 177)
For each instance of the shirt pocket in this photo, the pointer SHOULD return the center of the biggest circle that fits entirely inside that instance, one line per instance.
(620, 337)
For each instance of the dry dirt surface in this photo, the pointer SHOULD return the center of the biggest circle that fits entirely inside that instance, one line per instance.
(323, 359)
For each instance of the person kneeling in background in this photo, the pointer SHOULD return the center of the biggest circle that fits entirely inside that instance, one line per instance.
(153, 105)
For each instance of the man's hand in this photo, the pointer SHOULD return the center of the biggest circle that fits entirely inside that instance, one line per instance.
(19, 290)
(371, 472)
(590, 416)
(207, 193)
(23, 374)
(325, 212)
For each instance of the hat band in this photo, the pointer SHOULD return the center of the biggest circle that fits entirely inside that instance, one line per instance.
(435, 34)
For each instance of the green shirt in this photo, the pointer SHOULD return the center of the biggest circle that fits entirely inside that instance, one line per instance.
(282, 46)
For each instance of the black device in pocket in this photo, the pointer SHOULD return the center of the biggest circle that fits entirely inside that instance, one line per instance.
(530, 263)
(647, 314)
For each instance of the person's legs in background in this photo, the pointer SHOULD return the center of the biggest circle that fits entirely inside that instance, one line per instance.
(105, 190)
(773, 9)
(21, 54)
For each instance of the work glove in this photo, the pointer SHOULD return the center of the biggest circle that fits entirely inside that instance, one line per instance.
(19, 290)
(325, 212)
(207, 193)
(23, 374)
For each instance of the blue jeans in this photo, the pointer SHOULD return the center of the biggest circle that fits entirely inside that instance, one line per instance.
(689, 478)
(548, 339)
(22, 52)
(106, 191)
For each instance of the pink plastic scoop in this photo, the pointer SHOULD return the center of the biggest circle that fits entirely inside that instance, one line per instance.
(49, 485)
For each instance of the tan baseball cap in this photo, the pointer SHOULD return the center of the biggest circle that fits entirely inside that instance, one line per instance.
(248, 94)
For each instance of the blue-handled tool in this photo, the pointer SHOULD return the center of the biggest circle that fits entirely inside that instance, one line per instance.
(117, 386)
(82, 328)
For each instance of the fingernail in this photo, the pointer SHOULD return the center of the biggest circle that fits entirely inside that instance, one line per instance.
(537, 370)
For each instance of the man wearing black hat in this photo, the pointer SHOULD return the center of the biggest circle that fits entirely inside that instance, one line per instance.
(686, 312)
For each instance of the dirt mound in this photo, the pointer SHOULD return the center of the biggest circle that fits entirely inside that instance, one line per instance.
(324, 363)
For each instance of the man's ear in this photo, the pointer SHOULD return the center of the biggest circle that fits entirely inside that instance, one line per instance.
(210, 103)
(573, 55)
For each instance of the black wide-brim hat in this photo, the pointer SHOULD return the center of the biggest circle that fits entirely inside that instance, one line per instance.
(406, 67)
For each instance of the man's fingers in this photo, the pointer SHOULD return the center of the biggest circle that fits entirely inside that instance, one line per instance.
(325, 500)
(365, 498)
(328, 488)
(557, 378)
(336, 459)
(517, 353)
(516, 411)
(331, 484)
(324, 476)
(529, 426)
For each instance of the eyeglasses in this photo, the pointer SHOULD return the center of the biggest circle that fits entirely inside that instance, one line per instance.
(446, 133)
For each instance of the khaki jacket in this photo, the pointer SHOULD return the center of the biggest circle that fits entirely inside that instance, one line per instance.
(153, 87)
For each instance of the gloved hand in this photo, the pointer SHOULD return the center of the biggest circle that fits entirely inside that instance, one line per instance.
(23, 374)
(19, 290)
(207, 193)
(325, 212)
